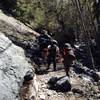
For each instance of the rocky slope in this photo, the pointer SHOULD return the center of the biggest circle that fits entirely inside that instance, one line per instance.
(13, 63)
(16, 31)
(13, 67)
(83, 88)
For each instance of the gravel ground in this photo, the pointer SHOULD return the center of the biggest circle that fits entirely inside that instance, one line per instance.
(82, 89)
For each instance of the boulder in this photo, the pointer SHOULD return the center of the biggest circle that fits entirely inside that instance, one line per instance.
(95, 76)
(78, 90)
(52, 82)
(13, 68)
(61, 84)
(78, 68)
(87, 71)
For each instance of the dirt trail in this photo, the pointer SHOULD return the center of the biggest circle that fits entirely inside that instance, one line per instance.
(45, 94)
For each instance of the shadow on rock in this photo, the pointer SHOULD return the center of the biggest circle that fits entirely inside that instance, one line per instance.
(60, 84)
(40, 71)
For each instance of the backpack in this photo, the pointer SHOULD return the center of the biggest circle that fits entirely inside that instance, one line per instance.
(52, 50)
(69, 54)
(65, 52)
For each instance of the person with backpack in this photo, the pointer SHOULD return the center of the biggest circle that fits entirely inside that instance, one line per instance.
(44, 40)
(52, 51)
(68, 56)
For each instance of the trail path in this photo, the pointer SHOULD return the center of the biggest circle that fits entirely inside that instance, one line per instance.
(45, 94)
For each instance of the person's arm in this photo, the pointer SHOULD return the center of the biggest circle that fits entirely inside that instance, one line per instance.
(48, 47)
(57, 49)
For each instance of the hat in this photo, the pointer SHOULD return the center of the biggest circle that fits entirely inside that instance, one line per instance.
(68, 46)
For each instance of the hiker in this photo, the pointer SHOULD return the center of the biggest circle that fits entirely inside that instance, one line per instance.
(68, 56)
(44, 40)
(52, 51)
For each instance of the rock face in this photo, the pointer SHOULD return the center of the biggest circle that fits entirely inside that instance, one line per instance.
(17, 32)
(13, 67)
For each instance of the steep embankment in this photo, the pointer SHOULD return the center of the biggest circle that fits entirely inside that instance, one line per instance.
(16, 31)
(13, 63)
(13, 67)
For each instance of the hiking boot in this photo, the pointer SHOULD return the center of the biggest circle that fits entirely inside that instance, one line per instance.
(67, 74)
(55, 69)
(47, 68)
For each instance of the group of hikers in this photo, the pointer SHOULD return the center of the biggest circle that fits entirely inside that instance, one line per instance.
(51, 52)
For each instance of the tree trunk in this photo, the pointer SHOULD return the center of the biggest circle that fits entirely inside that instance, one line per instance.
(86, 35)
(97, 15)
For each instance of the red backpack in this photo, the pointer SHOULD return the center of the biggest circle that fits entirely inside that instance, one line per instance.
(69, 53)
(66, 51)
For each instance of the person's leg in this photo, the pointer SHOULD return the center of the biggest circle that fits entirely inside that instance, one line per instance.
(54, 63)
(49, 62)
(67, 68)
